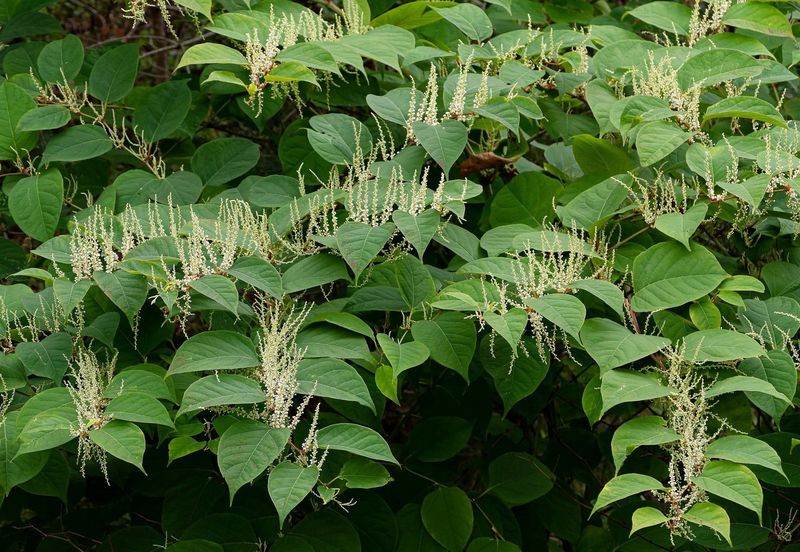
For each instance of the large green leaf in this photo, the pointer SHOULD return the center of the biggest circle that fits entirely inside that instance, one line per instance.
(732, 482)
(114, 73)
(35, 203)
(127, 291)
(444, 142)
(638, 432)
(447, 515)
(667, 275)
(612, 345)
(621, 386)
(333, 378)
(214, 350)
(14, 103)
(122, 440)
(288, 485)
(451, 340)
(246, 450)
(221, 390)
(744, 449)
(355, 439)
(360, 243)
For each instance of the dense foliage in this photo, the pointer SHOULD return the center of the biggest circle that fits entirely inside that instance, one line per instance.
(416, 276)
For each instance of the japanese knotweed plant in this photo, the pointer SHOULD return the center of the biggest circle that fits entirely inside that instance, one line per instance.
(368, 275)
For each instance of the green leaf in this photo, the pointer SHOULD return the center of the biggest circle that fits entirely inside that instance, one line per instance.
(114, 73)
(246, 450)
(645, 517)
(705, 315)
(403, 356)
(777, 368)
(220, 390)
(517, 378)
(162, 110)
(336, 137)
(47, 358)
(638, 432)
(14, 103)
(501, 110)
(470, 20)
(732, 482)
(565, 311)
(258, 273)
(747, 384)
(16, 469)
(35, 203)
(758, 17)
(775, 319)
(332, 378)
(134, 406)
(47, 117)
(598, 156)
(509, 325)
(451, 340)
(517, 478)
(202, 54)
(527, 199)
(224, 159)
(288, 485)
(621, 386)
(418, 229)
(607, 292)
(623, 486)
(122, 440)
(592, 206)
(361, 473)
(744, 107)
(672, 17)
(682, 226)
(360, 243)
(743, 449)
(142, 381)
(314, 271)
(355, 439)
(214, 350)
(61, 60)
(200, 6)
(291, 71)
(444, 142)
(667, 276)
(219, 289)
(657, 139)
(712, 67)
(712, 516)
(720, 345)
(612, 345)
(127, 291)
(77, 143)
(447, 515)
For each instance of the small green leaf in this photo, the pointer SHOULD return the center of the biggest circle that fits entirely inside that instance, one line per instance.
(127, 291)
(332, 378)
(623, 486)
(744, 107)
(638, 432)
(645, 517)
(209, 52)
(219, 289)
(450, 338)
(565, 311)
(744, 449)
(134, 406)
(682, 226)
(720, 345)
(360, 243)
